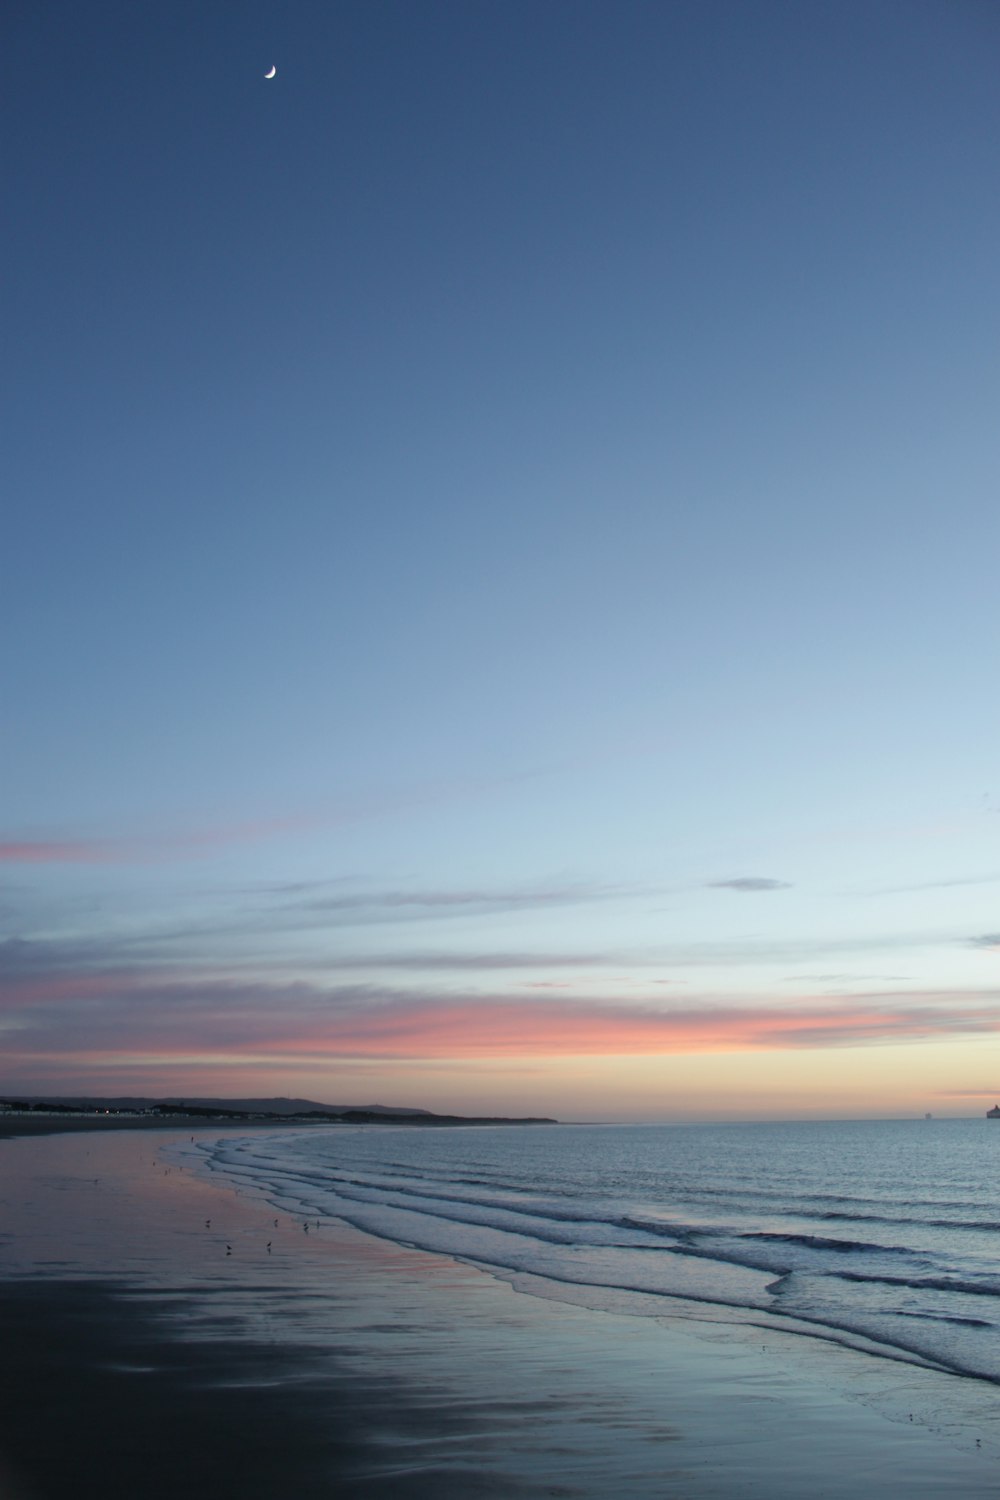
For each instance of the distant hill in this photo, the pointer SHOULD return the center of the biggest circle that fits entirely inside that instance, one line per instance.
(243, 1106)
(236, 1111)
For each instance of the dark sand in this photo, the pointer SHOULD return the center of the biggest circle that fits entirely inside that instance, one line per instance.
(146, 1353)
(96, 1397)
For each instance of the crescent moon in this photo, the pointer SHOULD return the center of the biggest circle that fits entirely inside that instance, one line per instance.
(272, 72)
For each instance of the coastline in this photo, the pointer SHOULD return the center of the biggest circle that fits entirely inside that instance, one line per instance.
(14, 1125)
(145, 1311)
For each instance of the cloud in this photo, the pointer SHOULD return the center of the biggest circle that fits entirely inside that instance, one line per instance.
(749, 884)
(359, 807)
(987, 940)
(801, 979)
(255, 943)
(41, 957)
(143, 849)
(430, 904)
(47, 852)
(440, 962)
(935, 885)
(49, 1010)
(258, 931)
(724, 954)
(309, 912)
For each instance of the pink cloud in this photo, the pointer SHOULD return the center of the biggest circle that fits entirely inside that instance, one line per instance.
(37, 852)
(375, 805)
(144, 849)
(120, 1014)
(493, 1028)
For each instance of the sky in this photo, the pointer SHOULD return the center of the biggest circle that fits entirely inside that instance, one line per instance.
(499, 605)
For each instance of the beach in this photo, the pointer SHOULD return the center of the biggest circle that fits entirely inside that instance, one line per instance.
(175, 1334)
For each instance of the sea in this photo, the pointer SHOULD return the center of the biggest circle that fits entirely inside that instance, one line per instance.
(883, 1236)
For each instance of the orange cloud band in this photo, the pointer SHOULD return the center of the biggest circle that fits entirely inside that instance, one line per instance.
(123, 1013)
(491, 1029)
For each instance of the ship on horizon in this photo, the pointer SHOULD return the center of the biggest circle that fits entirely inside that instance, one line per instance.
(994, 1113)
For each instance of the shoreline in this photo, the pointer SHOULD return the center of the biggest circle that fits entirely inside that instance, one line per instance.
(15, 1126)
(374, 1369)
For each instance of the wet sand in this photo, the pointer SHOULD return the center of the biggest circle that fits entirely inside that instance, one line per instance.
(147, 1323)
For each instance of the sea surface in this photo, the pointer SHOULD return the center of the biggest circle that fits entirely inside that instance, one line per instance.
(882, 1235)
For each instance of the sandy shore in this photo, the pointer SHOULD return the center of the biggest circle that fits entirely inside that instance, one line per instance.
(147, 1322)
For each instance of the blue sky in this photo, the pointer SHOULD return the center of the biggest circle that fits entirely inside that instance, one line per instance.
(526, 474)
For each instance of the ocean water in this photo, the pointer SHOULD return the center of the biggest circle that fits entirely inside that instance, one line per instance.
(883, 1235)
